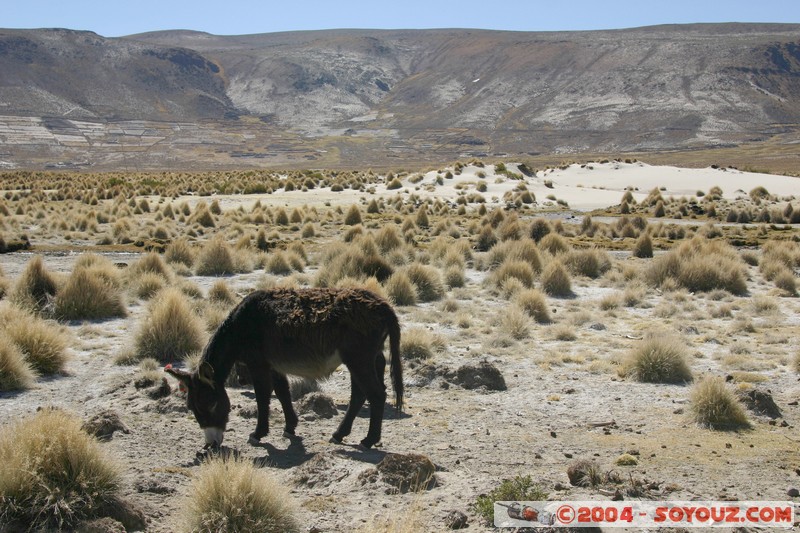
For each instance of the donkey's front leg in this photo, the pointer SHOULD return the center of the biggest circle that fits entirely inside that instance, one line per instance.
(262, 383)
(281, 385)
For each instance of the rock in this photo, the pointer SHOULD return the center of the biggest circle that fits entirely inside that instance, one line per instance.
(162, 390)
(483, 375)
(132, 519)
(316, 403)
(153, 486)
(760, 402)
(100, 525)
(456, 520)
(793, 492)
(104, 424)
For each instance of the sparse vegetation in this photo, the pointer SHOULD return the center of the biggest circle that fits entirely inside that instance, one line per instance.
(53, 474)
(659, 358)
(233, 495)
(171, 329)
(714, 406)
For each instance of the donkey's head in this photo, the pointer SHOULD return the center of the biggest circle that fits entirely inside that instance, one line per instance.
(207, 399)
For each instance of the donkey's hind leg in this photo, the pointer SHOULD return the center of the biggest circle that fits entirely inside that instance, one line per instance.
(357, 399)
(369, 377)
(281, 385)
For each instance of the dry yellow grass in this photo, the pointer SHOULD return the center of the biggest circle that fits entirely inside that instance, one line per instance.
(232, 495)
(52, 473)
(15, 372)
(171, 329)
(42, 342)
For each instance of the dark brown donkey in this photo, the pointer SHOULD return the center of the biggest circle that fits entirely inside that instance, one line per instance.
(299, 332)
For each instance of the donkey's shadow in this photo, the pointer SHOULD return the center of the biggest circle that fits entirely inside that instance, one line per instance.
(293, 455)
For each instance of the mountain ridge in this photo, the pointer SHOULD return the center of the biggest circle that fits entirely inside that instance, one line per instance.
(447, 91)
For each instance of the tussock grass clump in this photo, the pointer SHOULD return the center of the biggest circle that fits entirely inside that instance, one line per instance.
(427, 281)
(554, 243)
(518, 250)
(659, 358)
(53, 474)
(556, 280)
(180, 251)
(152, 263)
(352, 261)
(42, 342)
(416, 343)
(148, 285)
(534, 303)
(643, 247)
(714, 406)
(171, 330)
(221, 293)
(516, 323)
(35, 287)
(233, 495)
(15, 372)
(215, 259)
(700, 265)
(511, 268)
(591, 263)
(92, 292)
(401, 290)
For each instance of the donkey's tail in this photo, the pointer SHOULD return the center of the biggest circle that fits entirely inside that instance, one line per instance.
(396, 365)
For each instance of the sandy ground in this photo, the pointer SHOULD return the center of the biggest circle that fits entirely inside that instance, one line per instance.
(564, 400)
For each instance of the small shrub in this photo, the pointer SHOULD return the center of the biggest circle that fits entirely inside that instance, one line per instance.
(171, 330)
(713, 405)
(556, 280)
(15, 372)
(233, 495)
(519, 488)
(53, 474)
(658, 358)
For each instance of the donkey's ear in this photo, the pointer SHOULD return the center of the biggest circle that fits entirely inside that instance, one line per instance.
(183, 376)
(206, 373)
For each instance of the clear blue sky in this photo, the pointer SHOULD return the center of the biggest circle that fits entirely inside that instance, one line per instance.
(113, 18)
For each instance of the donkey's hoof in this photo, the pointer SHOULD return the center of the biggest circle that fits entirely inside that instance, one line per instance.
(253, 440)
(288, 434)
(365, 445)
(335, 440)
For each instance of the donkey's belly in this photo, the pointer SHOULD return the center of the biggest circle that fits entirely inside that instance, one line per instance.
(306, 365)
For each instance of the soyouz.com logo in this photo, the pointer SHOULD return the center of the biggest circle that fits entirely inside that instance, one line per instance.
(644, 514)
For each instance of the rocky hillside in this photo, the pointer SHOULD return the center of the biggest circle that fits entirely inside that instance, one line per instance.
(404, 92)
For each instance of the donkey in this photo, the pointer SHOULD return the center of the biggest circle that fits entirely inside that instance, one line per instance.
(299, 332)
